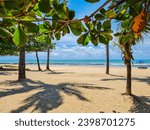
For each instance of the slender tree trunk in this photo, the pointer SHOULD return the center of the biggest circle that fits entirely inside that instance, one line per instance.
(107, 58)
(37, 57)
(48, 55)
(21, 70)
(128, 84)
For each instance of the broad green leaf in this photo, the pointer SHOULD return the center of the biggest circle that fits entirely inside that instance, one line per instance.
(38, 13)
(103, 39)
(31, 27)
(58, 35)
(19, 37)
(62, 11)
(102, 11)
(109, 37)
(41, 38)
(46, 25)
(92, 1)
(44, 6)
(5, 33)
(51, 13)
(42, 29)
(94, 39)
(15, 7)
(99, 26)
(117, 34)
(89, 25)
(77, 28)
(107, 25)
(26, 18)
(83, 39)
(110, 14)
(99, 17)
(71, 14)
(65, 30)
(48, 40)
(107, 32)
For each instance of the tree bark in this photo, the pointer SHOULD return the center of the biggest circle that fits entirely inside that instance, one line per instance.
(48, 55)
(38, 63)
(107, 58)
(21, 69)
(129, 83)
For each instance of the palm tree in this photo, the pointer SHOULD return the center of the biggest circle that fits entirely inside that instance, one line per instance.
(134, 22)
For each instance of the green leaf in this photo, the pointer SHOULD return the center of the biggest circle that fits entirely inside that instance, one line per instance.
(99, 17)
(62, 11)
(41, 38)
(92, 1)
(94, 39)
(83, 39)
(46, 25)
(107, 25)
(102, 11)
(42, 28)
(65, 30)
(71, 14)
(38, 13)
(26, 18)
(31, 27)
(109, 37)
(51, 13)
(127, 38)
(110, 14)
(5, 33)
(126, 23)
(117, 34)
(58, 35)
(99, 25)
(48, 40)
(107, 32)
(77, 28)
(103, 39)
(19, 37)
(44, 6)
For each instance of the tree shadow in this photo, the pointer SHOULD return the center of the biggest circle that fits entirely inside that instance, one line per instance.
(47, 97)
(146, 80)
(115, 75)
(5, 73)
(55, 72)
(141, 104)
(8, 69)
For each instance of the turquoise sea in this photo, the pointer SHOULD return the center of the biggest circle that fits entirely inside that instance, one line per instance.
(115, 62)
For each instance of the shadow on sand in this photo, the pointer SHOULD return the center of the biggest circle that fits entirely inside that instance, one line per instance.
(140, 104)
(48, 96)
(145, 80)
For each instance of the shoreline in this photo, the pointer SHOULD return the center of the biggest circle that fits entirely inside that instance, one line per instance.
(82, 65)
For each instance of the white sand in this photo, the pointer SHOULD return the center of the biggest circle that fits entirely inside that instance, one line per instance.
(74, 89)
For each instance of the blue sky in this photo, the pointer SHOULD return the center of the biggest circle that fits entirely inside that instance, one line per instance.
(67, 47)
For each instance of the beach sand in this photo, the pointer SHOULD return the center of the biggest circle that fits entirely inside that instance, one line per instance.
(74, 89)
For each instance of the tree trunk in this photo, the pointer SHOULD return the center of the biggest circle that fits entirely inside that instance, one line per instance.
(37, 57)
(21, 69)
(48, 55)
(128, 84)
(107, 58)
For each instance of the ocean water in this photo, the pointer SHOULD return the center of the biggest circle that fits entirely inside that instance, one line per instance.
(114, 62)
